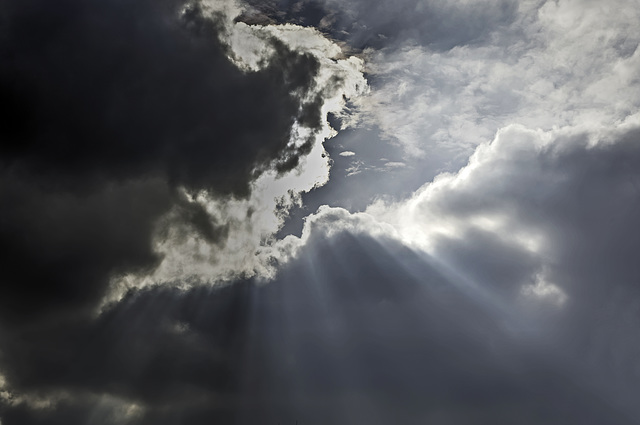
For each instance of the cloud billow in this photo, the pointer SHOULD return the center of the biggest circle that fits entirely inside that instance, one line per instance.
(115, 112)
(543, 227)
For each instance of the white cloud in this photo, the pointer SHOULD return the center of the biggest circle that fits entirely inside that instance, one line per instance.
(544, 290)
(558, 64)
(494, 190)
(347, 153)
(356, 168)
(390, 165)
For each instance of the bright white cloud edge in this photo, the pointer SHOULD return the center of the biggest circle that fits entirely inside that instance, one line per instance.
(248, 251)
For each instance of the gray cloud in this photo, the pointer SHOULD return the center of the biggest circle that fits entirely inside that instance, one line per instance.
(545, 227)
(505, 292)
(357, 329)
(116, 112)
(361, 24)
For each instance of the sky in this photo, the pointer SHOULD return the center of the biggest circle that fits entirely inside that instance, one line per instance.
(319, 212)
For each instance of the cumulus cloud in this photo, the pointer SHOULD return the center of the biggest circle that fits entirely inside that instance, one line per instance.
(544, 226)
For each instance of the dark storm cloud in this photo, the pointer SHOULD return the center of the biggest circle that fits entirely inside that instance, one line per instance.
(119, 90)
(362, 23)
(109, 108)
(357, 330)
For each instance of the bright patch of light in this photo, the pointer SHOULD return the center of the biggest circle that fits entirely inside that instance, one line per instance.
(544, 290)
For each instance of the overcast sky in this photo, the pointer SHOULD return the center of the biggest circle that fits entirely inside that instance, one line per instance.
(329, 212)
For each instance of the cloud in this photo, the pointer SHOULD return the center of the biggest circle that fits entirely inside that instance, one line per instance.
(474, 292)
(166, 143)
(390, 165)
(154, 114)
(357, 327)
(553, 64)
(251, 223)
(347, 153)
(543, 226)
(360, 24)
(153, 137)
(128, 111)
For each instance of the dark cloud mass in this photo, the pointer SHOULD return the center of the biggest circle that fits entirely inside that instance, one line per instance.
(110, 108)
(358, 330)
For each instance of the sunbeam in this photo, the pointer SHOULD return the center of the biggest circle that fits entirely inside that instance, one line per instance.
(319, 212)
